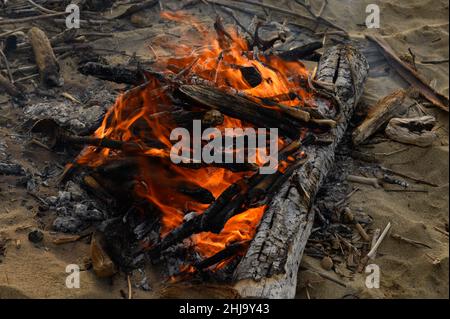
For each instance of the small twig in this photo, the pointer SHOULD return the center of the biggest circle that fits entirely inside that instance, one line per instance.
(417, 180)
(410, 241)
(318, 16)
(130, 293)
(36, 142)
(7, 33)
(8, 68)
(41, 8)
(406, 190)
(374, 249)
(28, 19)
(393, 152)
(375, 236)
(434, 260)
(27, 78)
(346, 198)
(443, 232)
(363, 180)
(434, 61)
(326, 276)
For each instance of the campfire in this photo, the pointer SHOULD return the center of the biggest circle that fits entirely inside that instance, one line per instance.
(212, 161)
(225, 204)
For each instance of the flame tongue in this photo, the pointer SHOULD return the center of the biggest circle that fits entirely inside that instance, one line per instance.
(230, 66)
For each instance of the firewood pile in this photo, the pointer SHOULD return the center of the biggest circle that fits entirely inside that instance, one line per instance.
(220, 221)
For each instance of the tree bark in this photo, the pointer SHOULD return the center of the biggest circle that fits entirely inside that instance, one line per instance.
(269, 269)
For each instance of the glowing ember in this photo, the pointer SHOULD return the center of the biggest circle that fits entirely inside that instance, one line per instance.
(132, 118)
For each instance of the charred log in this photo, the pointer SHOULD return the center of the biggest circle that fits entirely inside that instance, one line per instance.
(116, 74)
(270, 266)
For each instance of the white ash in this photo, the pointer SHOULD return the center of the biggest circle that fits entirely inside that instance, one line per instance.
(69, 115)
(74, 211)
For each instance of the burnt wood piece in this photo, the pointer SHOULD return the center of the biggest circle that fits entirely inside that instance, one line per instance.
(224, 254)
(242, 108)
(270, 267)
(292, 52)
(10, 88)
(45, 57)
(118, 74)
(384, 110)
(229, 203)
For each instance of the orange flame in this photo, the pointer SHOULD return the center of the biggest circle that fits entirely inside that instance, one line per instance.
(132, 119)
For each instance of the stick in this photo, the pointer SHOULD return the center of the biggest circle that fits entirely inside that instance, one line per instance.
(410, 241)
(130, 294)
(326, 276)
(375, 236)
(443, 232)
(9, 88)
(346, 198)
(410, 75)
(41, 8)
(374, 249)
(228, 252)
(379, 114)
(28, 19)
(318, 16)
(5, 34)
(417, 180)
(363, 180)
(348, 213)
(11, 78)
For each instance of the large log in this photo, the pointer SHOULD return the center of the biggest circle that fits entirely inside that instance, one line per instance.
(269, 269)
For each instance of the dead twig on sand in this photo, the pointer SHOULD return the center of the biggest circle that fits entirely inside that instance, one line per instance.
(326, 276)
(443, 232)
(410, 75)
(417, 180)
(313, 18)
(318, 16)
(410, 241)
(364, 180)
(374, 249)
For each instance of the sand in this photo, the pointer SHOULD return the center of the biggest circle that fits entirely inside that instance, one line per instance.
(406, 272)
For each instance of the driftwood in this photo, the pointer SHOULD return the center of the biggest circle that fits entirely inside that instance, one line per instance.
(410, 75)
(416, 131)
(384, 110)
(45, 57)
(269, 269)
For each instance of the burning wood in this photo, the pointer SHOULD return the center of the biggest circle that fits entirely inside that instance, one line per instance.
(246, 212)
(215, 209)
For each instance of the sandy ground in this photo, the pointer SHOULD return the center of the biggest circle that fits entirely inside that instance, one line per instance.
(31, 271)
